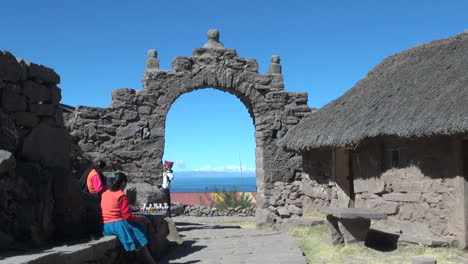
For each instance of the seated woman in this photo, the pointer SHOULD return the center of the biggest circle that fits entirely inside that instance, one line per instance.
(118, 219)
(96, 181)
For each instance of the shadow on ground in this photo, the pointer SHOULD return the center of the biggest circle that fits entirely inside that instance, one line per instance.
(180, 251)
(381, 241)
(189, 227)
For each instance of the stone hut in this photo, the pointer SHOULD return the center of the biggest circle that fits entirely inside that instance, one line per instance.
(397, 143)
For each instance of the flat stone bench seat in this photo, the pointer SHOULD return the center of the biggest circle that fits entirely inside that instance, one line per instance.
(72, 254)
(349, 225)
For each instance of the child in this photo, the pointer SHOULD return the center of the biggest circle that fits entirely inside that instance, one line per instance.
(118, 219)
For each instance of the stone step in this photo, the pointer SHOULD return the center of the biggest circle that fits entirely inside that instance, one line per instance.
(70, 254)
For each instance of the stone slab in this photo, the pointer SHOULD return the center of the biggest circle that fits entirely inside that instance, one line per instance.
(78, 253)
(352, 213)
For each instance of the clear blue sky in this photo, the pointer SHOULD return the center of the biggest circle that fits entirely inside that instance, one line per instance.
(325, 48)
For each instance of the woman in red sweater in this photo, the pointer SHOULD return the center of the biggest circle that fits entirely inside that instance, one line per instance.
(118, 219)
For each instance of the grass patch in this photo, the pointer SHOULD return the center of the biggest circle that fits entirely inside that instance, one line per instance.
(315, 214)
(316, 244)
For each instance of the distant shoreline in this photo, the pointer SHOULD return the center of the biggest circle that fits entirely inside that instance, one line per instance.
(206, 182)
(198, 198)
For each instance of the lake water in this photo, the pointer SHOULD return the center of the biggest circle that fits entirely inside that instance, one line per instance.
(184, 183)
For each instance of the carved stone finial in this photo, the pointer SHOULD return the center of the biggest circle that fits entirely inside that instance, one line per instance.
(213, 40)
(275, 59)
(275, 66)
(152, 63)
(152, 53)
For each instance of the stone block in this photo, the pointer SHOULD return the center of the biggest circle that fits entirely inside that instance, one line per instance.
(371, 185)
(277, 97)
(10, 69)
(146, 110)
(294, 210)
(41, 145)
(7, 161)
(312, 191)
(55, 95)
(123, 94)
(402, 197)
(380, 205)
(43, 109)
(422, 260)
(263, 216)
(42, 74)
(12, 101)
(26, 119)
(36, 92)
(432, 197)
(6, 240)
(352, 213)
(182, 64)
(283, 212)
(251, 65)
(417, 185)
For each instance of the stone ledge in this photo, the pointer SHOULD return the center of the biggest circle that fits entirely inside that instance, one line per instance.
(352, 213)
(72, 254)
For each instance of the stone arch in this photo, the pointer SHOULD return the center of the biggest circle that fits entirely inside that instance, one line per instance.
(273, 111)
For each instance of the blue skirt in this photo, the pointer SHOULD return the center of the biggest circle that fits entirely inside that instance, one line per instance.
(131, 234)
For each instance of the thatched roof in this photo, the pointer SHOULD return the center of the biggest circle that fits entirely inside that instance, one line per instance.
(422, 91)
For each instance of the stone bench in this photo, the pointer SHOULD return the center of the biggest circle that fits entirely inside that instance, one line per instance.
(70, 254)
(349, 225)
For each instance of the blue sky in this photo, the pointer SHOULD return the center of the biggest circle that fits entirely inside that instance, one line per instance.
(325, 48)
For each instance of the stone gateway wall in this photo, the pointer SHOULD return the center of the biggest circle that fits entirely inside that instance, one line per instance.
(109, 133)
(419, 198)
(39, 200)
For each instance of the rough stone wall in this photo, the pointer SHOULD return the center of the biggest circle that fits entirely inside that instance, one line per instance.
(419, 198)
(37, 194)
(110, 133)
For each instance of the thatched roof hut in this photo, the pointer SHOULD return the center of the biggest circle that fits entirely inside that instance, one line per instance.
(422, 91)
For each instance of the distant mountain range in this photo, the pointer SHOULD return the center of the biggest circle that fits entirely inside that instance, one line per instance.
(214, 174)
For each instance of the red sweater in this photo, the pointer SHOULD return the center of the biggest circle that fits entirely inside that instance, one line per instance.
(115, 207)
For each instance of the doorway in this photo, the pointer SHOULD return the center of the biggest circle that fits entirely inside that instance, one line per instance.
(343, 177)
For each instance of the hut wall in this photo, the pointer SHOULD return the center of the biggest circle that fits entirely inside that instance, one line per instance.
(421, 198)
(424, 197)
(317, 187)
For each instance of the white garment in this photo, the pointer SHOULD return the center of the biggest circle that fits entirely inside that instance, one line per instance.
(167, 178)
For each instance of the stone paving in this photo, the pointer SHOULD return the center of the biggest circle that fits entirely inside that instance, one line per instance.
(207, 240)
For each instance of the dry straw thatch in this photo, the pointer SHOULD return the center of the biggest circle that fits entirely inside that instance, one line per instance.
(422, 91)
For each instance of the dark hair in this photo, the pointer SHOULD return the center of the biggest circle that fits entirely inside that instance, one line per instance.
(100, 164)
(116, 181)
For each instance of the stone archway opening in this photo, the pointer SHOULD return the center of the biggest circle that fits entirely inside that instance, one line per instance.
(211, 137)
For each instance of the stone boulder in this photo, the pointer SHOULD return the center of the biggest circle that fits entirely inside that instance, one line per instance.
(7, 161)
(69, 211)
(40, 145)
(8, 132)
(10, 69)
(146, 193)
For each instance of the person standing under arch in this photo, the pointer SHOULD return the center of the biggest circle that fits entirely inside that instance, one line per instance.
(168, 176)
